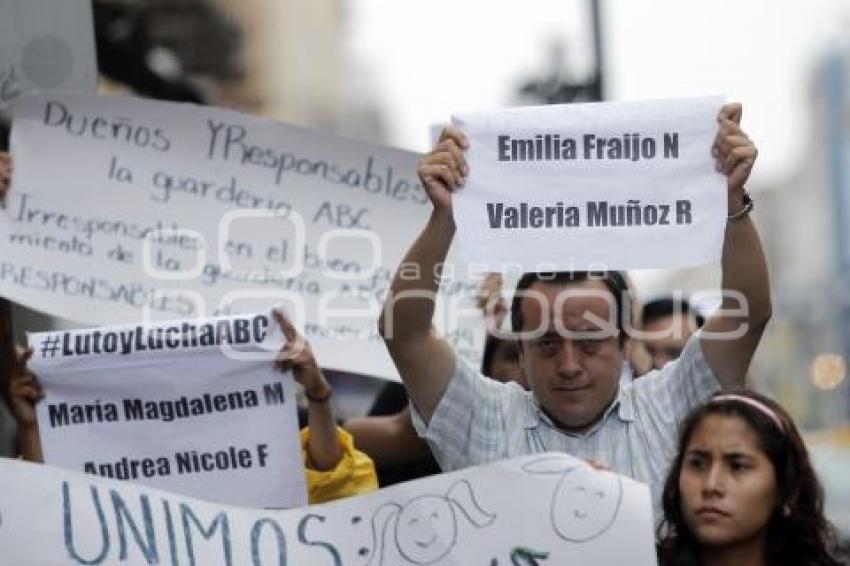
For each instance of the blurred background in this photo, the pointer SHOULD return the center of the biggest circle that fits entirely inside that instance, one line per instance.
(390, 72)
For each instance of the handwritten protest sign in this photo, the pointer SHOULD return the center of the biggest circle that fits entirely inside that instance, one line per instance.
(46, 46)
(557, 511)
(616, 185)
(122, 205)
(148, 404)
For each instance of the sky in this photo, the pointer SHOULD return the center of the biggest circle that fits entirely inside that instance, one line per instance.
(427, 59)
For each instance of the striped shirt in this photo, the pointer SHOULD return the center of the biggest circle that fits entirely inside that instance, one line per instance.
(479, 420)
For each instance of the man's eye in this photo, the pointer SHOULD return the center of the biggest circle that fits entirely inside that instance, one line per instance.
(589, 346)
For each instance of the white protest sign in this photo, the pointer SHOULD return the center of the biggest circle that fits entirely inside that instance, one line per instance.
(615, 185)
(149, 404)
(46, 45)
(558, 510)
(122, 205)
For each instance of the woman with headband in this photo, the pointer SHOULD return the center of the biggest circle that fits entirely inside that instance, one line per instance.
(742, 491)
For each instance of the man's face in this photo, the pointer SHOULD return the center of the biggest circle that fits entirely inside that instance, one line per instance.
(573, 376)
(668, 337)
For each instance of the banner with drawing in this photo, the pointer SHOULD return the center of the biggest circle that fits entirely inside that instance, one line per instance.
(121, 206)
(558, 510)
(614, 185)
(149, 404)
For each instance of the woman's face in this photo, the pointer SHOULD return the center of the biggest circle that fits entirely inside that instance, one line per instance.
(727, 484)
(504, 366)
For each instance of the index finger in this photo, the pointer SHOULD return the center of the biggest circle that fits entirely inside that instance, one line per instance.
(286, 326)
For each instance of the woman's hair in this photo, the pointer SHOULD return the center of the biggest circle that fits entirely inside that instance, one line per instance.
(798, 533)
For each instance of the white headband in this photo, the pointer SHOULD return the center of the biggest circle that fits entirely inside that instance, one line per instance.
(764, 409)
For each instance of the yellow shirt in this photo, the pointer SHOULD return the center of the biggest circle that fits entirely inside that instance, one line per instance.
(354, 475)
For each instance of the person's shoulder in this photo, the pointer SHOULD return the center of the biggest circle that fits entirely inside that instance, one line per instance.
(691, 358)
(515, 390)
(681, 383)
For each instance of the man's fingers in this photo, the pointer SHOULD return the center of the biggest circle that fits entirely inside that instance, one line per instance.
(448, 159)
(727, 148)
(731, 111)
(453, 133)
(742, 153)
(728, 128)
(727, 143)
(437, 176)
(451, 147)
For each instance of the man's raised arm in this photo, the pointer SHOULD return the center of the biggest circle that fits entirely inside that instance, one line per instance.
(731, 336)
(424, 360)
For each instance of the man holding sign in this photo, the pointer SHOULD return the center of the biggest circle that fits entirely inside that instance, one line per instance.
(572, 345)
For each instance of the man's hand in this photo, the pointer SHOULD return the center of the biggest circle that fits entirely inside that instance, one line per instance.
(297, 356)
(444, 169)
(5, 174)
(734, 153)
(24, 391)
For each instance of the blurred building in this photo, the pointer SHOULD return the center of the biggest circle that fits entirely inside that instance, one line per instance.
(806, 228)
(282, 59)
(298, 68)
(287, 59)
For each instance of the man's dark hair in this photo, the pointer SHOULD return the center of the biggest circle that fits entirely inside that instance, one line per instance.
(663, 307)
(615, 281)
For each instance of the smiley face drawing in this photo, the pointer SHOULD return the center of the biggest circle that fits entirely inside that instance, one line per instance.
(586, 502)
(426, 527)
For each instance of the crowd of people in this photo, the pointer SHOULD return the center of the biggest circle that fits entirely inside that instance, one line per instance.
(729, 473)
